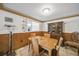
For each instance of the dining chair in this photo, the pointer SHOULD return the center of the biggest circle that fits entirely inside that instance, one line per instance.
(36, 47)
(59, 44)
(29, 40)
(47, 35)
(33, 34)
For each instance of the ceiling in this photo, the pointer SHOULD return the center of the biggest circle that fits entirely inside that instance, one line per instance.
(57, 10)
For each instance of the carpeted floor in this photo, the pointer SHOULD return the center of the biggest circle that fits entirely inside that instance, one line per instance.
(69, 51)
(24, 51)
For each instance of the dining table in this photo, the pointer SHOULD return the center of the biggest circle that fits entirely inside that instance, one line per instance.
(46, 43)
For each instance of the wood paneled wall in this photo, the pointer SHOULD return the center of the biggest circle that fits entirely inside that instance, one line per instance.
(3, 42)
(21, 39)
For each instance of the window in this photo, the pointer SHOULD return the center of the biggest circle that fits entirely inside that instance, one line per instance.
(32, 26)
(35, 26)
(29, 26)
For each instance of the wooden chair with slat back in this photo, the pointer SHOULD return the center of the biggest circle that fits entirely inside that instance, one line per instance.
(35, 46)
(59, 44)
(29, 41)
(47, 35)
(33, 34)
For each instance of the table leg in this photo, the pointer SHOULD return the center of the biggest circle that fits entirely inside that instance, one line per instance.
(49, 52)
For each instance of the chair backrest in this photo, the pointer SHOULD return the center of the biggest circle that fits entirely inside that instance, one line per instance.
(33, 34)
(47, 35)
(59, 43)
(35, 46)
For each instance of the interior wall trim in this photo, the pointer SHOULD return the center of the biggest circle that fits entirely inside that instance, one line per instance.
(76, 15)
(2, 7)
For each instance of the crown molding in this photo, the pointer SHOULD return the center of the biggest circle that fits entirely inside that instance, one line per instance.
(2, 7)
(76, 15)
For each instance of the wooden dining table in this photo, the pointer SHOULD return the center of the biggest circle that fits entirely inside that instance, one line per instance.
(48, 44)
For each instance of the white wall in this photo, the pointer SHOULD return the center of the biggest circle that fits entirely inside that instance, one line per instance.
(41, 26)
(17, 21)
(70, 24)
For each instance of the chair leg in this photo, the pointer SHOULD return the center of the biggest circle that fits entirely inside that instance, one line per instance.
(54, 52)
(58, 53)
(66, 46)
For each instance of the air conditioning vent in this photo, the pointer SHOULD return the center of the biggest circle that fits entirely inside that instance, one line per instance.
(7, 19)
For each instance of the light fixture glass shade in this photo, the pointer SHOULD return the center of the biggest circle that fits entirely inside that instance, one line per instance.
(46, 11)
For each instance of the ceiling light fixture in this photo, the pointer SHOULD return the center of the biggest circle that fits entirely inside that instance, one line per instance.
(46, 11)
